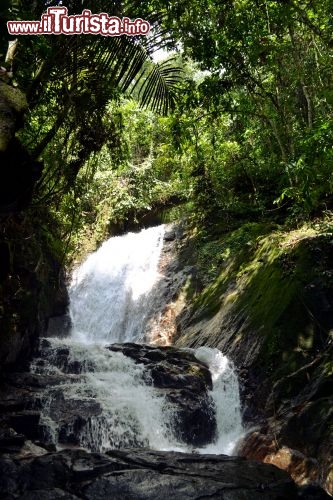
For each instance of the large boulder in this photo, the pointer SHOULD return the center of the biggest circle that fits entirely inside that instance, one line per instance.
(185, 382)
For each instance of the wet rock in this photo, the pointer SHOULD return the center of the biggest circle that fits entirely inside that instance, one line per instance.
(60, 358)
(142, 474)
(176, 374)
(185, 381)
(10, 441)
(26, 382)
(196, 423)
(59, 326)
(169, 367)
(271, 311)
(22, 400)
(71, 416)
(30, 449)
(12, 398)
(170, 235)
(24, 423)
(62, 410)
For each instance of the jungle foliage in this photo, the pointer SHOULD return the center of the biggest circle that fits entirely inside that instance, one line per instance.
(238, 122)
(270, 76)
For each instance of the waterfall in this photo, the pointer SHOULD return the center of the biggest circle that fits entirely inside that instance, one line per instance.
(111, 292)
(129, 412)
(111, 301)
(226, 398)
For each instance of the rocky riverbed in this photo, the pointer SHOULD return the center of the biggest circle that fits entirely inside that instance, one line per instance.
(141, 474)
(53, 391)
(32, 467)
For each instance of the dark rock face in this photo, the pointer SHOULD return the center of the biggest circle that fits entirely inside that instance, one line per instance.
(59, 326)
(10, 441)
(22, 173)
(185, 381)
(142, 474)
(32, 289)
(169, 367)
(23, 397)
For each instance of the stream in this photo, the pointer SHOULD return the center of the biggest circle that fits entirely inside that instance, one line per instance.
(102, 399)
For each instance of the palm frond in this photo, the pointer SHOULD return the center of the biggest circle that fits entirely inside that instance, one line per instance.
(159, 88)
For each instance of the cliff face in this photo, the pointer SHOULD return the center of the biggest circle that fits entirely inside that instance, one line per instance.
(32, 288)
(31, 284)
(270, 308)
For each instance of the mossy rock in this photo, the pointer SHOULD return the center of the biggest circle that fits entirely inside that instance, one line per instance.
(13, 96)
(13, 103)
(272, 294)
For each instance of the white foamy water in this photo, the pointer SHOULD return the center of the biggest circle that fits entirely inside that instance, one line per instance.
(112, 300)
(110, 293)
(132, 412)
(226, 398)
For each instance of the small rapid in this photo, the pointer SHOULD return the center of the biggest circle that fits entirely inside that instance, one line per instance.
(225, 395)
(102, 399)
(124, 410)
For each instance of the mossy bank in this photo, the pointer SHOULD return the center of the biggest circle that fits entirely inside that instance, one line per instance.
(263, 294)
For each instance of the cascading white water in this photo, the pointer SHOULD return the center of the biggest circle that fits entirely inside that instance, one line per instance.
(111, 300)
(111, 292)
(132, 412)
(227, 401)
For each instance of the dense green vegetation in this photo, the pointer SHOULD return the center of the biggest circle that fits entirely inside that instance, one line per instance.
(71, 84)
(235, 126)
(250, 127)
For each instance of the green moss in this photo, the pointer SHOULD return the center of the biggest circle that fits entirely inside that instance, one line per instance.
(268, 288)
(14, 97)
(220, 263)
(12, 103)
